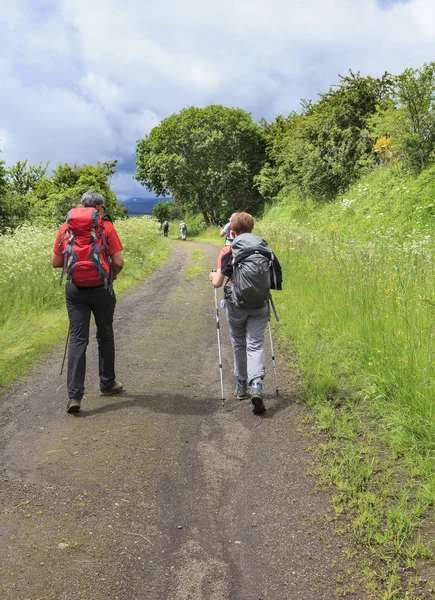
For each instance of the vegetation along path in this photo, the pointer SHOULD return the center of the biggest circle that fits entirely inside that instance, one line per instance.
(162, 493)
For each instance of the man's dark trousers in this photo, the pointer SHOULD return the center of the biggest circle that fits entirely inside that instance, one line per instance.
(80, 303)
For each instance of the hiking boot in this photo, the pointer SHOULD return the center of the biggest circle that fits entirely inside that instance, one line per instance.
(73, 406)
(257, 399)
(115, 389)
(241, 391)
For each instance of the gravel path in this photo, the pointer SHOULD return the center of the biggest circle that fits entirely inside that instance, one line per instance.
(162, 493)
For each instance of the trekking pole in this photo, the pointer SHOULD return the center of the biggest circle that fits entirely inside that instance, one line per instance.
(66, 347)
(273, 359)
(219, 346)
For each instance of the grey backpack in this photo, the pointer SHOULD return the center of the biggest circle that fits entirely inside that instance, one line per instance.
(252, 260)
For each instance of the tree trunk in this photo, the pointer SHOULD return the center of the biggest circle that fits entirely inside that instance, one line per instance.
(203, 209)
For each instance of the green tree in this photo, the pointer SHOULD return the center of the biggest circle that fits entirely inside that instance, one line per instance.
(4, 212)
(206, 157)
(162, 211)
(328, 146)
(389, 128)
(287, 140)
(270, 180)
(23, 177)
(416, 97)
(53, 197)
(407, 119)
(28, 194)
(3, 179)
(341, 147)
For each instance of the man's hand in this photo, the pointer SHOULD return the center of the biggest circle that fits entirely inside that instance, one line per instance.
(216, 278)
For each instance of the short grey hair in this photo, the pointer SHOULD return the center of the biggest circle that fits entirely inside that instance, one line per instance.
(92, 199)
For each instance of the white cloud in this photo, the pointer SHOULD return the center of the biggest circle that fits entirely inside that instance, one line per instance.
(42, 123)
(423, 13)
(82, 81)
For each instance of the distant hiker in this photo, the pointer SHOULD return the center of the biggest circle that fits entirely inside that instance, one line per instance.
(228, 232)
(218, 221)
(165, 228)
(159, 227)
(252, 269)
(89, 250)
(183, 230)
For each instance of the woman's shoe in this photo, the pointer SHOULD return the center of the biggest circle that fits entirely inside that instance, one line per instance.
(241, 391)
(257, 399)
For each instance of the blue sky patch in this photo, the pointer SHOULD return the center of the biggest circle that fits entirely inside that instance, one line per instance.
(390, 4)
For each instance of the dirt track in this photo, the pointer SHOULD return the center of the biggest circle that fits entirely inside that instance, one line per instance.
(161, 493)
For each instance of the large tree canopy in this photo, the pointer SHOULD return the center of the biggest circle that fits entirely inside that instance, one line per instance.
(162, 211)
(206, 158)
(328, 146)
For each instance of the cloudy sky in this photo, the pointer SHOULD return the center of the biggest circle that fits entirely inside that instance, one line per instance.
(81, 80)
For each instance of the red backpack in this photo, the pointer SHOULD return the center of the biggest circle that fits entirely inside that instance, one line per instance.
(83, 245)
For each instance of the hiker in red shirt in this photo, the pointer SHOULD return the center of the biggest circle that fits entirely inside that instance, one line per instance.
(89, 250)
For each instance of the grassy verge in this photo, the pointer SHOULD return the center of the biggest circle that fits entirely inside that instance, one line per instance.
(210, 236)
(360, 315)
(32, 312)
(197, 265)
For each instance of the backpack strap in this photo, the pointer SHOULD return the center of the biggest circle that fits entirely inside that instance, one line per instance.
(273, 307)
(69, 250)
(273, 275)
(69, 258)
(108, 281)
(65, 260)
(66, 253)
(276, 274)
(97, 232)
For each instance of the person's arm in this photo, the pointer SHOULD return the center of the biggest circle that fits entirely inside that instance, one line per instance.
(56, 255)
(114, 248)
(216, 278)
(56, 260)
(117, 262)
(224, 230)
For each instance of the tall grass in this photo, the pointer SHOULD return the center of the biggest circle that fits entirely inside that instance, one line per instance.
(210, 235)
(358, 306)
(32, 308)
(366, 315)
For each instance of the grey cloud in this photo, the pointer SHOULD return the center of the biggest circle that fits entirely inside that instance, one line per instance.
(82, 81)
